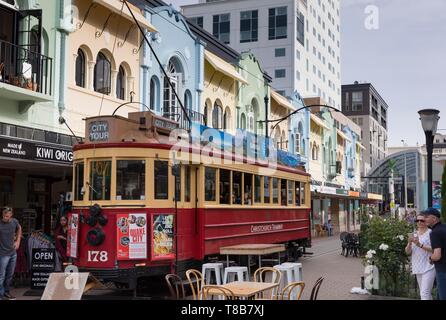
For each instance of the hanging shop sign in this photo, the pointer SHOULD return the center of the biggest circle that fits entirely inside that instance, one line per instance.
(163, 237)
(43, 263)
(73, 235)
(342, 192)
(37, 151)
(131, 240)
(354, 194)
(328, 190)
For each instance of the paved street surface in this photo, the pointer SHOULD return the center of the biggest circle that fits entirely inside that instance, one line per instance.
(340, 273)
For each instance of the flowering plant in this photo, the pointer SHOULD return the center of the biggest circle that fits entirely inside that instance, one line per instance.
(384, 247)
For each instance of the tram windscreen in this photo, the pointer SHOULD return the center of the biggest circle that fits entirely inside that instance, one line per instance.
(100, 180)
(130, 179)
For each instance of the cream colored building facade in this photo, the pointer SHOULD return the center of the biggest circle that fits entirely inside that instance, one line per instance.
(221, 85)
(103, 64)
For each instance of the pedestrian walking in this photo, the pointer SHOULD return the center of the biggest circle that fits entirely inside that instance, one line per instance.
(10, 236)
(438, 241)
(419, 246)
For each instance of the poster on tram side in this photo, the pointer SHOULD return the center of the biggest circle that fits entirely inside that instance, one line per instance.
(163, 237)
(73, 235)
(131, 239)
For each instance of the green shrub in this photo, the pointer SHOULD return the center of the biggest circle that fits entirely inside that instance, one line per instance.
(388, 239)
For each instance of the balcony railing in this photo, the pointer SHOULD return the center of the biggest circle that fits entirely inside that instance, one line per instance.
(178, 115)
(23, 68)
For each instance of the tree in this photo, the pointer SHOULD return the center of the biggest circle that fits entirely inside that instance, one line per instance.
(443, 195)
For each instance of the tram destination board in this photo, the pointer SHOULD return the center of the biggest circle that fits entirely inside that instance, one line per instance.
(43, 263)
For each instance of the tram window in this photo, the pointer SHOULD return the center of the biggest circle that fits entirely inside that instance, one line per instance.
(266, 187)
(187, 182)
(247, 193)
(257, 189)
(302, 193)
(297, 193)
(130, 180)
(210, 184)
(161, 180)
(290, 192)
(283, 192)
(79, 181)
(236, 187)
(275, 187)
(100, 180)
(225, 186)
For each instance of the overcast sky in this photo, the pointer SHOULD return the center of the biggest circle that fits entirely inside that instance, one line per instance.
(404, 59)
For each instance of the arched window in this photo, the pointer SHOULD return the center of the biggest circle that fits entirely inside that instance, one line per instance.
(243, 121)
(227, 119)
(291, 148)
(217, 115)
(188, 100)
(120, 84)
(80, 69)
(170, 101)
(153, 93)
(102, 74)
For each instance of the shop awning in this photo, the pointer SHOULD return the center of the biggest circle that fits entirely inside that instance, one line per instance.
(342, 135)
(282, 100)
(319, 122)
(219, 64)
(116, 6)
(360, 145)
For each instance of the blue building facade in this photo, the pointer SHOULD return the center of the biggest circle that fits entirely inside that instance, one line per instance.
(299, 128)
(182, 55)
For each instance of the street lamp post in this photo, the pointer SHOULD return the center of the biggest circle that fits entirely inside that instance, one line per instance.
(429, 120)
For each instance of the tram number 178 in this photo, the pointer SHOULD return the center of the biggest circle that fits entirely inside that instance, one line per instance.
(97, 256)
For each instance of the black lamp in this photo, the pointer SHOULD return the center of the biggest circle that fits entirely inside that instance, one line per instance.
(429, 120)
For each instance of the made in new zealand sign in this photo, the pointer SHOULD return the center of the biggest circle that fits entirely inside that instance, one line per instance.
(37, 151)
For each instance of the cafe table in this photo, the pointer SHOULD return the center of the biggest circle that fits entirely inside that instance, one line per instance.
(246, 289)
(252, 250)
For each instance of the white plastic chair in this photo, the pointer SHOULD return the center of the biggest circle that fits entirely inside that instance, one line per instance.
(240, 272)
(207, 270)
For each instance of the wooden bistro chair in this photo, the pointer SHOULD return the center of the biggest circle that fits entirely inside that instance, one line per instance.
(176, 287)
(195, 279)
(316, 287)
(287, 292)
(212, 290)
(262, 275)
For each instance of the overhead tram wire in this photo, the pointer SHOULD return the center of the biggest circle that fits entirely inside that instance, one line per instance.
(160, 64)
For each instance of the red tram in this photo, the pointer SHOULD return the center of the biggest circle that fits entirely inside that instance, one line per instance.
(137, 212)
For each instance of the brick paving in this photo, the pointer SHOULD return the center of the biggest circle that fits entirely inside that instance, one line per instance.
(341, 274)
